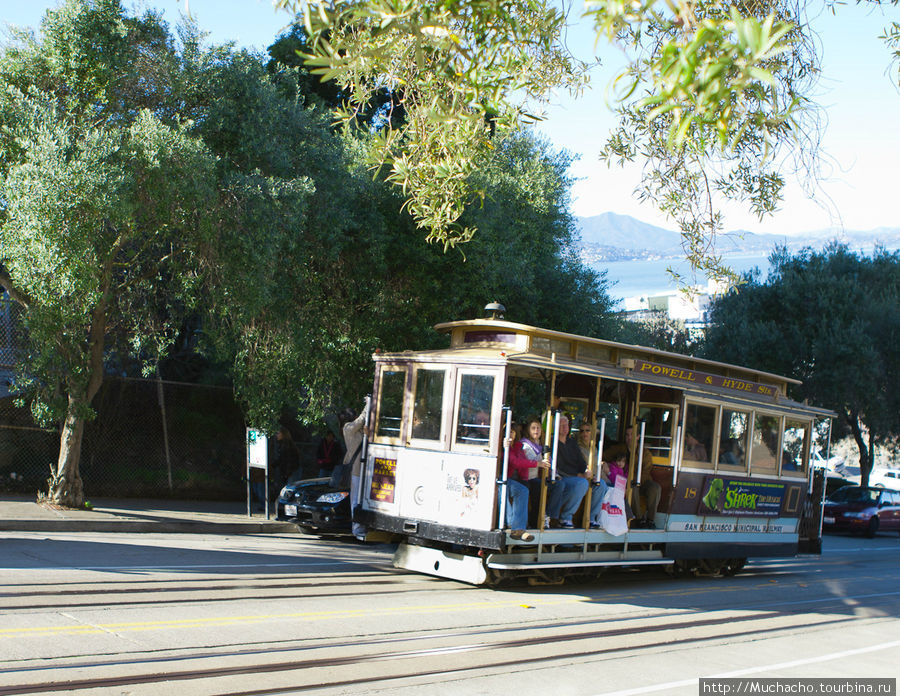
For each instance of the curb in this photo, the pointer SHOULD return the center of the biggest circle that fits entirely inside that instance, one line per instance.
(146, 526)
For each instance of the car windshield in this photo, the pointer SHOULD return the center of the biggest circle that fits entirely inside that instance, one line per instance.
(852, 494)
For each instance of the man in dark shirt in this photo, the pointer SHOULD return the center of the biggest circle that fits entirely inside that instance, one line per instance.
(567, 491)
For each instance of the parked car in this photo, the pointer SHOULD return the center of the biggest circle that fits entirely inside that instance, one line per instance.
(315, 506)
(819, 462)
(833, 482)
(851, 473)
(885, 478)
(859, 509)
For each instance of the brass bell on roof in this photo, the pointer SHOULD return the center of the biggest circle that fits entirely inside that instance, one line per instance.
(496, 310)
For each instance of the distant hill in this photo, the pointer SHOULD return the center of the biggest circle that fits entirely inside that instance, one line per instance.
(625, 232)
(613, 237)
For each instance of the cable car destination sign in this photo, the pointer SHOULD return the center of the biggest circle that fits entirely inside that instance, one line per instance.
(704, 379)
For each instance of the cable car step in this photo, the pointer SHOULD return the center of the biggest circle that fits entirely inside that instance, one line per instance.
(572, 560)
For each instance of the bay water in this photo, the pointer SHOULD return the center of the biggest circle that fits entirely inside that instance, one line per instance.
(647, 277)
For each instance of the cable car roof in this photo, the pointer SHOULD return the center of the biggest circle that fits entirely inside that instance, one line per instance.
(496, 341)
(448, 327)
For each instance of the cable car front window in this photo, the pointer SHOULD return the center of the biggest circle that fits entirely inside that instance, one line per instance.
(658, 433)
(610, 412)
(428, 404)
(476, 394)
(390, 407)
(699, 431)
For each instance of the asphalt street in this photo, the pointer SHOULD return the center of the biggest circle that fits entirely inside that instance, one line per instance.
(256, 614)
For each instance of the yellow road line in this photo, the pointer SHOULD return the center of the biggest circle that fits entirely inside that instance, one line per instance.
(338, 614)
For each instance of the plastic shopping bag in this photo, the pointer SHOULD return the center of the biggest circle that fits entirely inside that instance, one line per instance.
(612, 514)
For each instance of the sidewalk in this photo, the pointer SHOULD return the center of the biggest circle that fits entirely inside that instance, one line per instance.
(21, 513)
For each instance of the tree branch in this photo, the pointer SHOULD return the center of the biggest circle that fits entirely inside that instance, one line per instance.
(18, 295)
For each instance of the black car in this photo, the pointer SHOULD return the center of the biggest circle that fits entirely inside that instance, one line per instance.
(315, 506)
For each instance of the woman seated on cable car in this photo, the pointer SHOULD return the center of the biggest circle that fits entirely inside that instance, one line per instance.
(526, 458)
(516, 496)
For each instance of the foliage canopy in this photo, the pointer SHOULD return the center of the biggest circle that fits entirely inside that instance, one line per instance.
(151, 186)
(714, 99)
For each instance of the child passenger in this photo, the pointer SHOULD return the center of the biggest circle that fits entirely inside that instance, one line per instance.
(616, 469)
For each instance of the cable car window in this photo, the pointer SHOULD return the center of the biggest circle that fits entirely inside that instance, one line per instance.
(794, 447)
(658, 432)
(764, 449)
(733, 440)
(489, 337)
(390, 406)
(699, 432)
(611, 413)
(577, 412)
(595, 353)
(476, 394)
(548, 346)
(428, 404)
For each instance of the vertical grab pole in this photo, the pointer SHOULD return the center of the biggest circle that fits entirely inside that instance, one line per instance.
(363, 456)
(632, 474)
(640, 454)
(600, 449)
(542, 508)
(809, 469)
(676, 454)
(824, 473)
(679, 441)
(591, 461)
(505, 471)
(555, 446)
(247, 471)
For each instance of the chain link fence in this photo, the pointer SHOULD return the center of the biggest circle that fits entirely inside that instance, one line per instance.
(8, 340)
(151, 438)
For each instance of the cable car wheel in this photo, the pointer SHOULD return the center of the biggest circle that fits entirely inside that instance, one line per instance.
(733, 566)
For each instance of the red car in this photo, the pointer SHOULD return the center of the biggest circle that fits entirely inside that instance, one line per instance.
(858, 509)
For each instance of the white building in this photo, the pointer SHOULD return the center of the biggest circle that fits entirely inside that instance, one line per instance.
(690, 306)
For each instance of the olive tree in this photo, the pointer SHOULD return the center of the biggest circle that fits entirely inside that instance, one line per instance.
(102, 206)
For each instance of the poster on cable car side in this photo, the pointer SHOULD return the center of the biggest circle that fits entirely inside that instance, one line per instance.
(467, 497)
(722, 495)
(384, 480)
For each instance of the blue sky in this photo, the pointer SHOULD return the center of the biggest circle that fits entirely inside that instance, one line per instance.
(862, 105)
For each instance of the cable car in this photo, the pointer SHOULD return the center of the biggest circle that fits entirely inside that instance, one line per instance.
(722, 447)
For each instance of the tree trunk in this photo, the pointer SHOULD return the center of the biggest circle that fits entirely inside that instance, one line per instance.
(66, 487)
(870, 467)
(65, 484)
(865, 453)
